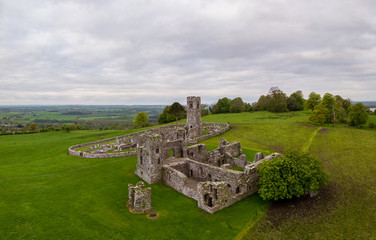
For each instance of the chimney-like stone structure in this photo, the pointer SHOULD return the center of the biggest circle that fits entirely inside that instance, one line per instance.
(194, 127)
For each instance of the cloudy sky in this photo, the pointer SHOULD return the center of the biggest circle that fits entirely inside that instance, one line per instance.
(160, 51)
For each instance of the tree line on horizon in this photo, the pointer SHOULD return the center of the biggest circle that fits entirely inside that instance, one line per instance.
(328, 109)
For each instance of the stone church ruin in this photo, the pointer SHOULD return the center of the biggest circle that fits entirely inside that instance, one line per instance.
(215, 179)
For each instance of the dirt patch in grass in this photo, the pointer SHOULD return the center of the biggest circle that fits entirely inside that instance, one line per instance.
(305, 124)
(323, 130)
(304, 207)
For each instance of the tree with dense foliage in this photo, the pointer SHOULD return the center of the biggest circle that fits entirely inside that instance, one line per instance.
(312, 101)
(341, 105)
(176, 109)
(277, 102)
(358, 114)
(165, 117)
(296, 101)
(141, 120)
(320, 114)
(329, 102)
(222, 106)
(236, 105)
(292, 175)
(262, 103)
(248, 107)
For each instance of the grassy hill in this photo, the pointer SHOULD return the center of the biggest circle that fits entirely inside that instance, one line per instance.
(47, 194)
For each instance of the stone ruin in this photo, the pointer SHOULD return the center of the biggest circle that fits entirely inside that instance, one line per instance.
(211, 177)
(126, 145)
(170, 154)
(139, 198)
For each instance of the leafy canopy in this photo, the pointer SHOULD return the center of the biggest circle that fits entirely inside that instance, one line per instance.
(141, 120)
(176, 109)
(358, 114)
(296, 101)
(312, 101)
(222, 106)
(169, 115)
(291, 175)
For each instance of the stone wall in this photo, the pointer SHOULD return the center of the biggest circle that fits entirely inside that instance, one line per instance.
(197, 152)
(131, 138)
(213, 196)
(139, 198)
(204, 172)
(213, 187)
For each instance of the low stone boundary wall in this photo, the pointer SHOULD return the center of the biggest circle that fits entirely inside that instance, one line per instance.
(71, 150)
(225, 128)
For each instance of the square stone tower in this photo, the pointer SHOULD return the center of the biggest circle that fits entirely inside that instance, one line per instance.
(194, 127)
(150, 158)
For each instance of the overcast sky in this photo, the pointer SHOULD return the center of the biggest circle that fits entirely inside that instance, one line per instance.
(157, 52)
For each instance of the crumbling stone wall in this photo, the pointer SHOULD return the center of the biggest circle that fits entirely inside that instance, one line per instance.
(231, 185)
(206, 172)
(241, 162)
(172, 133)
(194, 127)
(152, 154)
(139, 198)
(234, 149)
(197, 152)
(213, 196)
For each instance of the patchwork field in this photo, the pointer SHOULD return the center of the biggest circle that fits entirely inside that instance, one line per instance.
(47, 194)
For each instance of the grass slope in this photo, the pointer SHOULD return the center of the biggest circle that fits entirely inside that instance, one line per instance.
(47, 194)
(346, 208)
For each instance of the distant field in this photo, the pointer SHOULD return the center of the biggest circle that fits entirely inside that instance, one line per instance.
(47, 194)
(27, 114)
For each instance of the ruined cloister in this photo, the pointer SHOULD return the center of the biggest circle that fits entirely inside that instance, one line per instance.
(172, 155)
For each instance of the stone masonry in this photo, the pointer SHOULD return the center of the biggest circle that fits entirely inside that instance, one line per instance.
(194, 127)
(170, 154)
(207, 177)
(139, 198)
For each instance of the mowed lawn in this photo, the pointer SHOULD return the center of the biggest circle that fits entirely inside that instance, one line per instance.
(47, 194)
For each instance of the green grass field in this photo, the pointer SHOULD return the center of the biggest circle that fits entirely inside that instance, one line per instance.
(47, 194)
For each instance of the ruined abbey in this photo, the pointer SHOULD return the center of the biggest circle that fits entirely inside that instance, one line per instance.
(216, 179)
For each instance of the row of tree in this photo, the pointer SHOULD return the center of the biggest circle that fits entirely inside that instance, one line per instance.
(226, 105)
(277, 101)
(328, 109)
(335, 109)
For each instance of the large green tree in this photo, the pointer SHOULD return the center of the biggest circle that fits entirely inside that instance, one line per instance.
(176, 109)
(329, 102)
(320, 114)
(168, 115)
(237, 105)
(141, 120)
(358, 114)
(312, 101)
(291, 175)
(277, 101)
(296, 101)
(262, 103)
(222, 106)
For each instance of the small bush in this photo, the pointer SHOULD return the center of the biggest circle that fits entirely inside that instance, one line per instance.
(293, 174)
(371, 125)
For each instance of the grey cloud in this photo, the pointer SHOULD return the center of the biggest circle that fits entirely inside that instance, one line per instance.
(151, 52)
